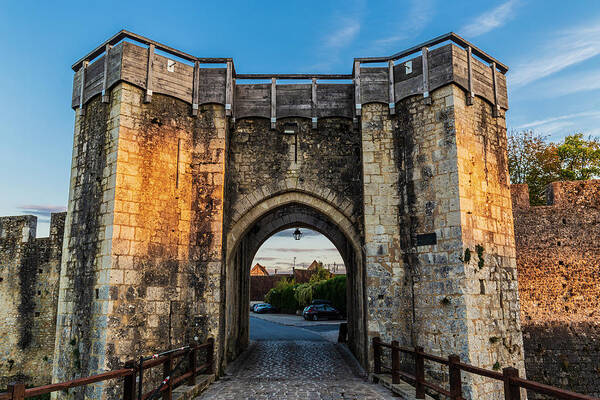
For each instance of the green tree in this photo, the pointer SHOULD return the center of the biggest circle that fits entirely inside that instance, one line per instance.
(535, 161)
(320, 274)
(579, 158)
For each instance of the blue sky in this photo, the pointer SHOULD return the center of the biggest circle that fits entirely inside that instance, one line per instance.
(552, 48)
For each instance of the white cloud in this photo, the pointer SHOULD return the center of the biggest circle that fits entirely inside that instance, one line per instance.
(490, 20)
(344, 35)
(415, 20)
(545, 122)
(574, 83)
(567, 48)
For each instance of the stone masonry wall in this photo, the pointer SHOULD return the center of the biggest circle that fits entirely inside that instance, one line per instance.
(558, 253)
(29, 271)
(156, 232)
(448, 161)
(492, 299)
(262, 159)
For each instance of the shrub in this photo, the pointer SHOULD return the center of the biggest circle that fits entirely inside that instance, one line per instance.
(304, 294)
(282, 296)
(334, 290)
(288, 296)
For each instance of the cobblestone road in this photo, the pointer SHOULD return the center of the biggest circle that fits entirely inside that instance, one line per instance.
(295, 369)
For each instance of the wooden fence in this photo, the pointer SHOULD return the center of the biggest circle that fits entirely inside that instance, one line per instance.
(135, 369)
(509, 376)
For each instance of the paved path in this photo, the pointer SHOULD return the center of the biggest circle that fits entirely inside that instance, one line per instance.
(292, 363)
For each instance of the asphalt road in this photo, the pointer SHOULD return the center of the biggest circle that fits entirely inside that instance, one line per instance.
(265, 330)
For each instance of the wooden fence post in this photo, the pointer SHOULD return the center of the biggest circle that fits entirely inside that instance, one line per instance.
(376, 355)
(511, 391)
(210, 355)
(343, 333)
(16, 391)
(395, 362)
(168, 364)
(192, 357)
(129, 382)
(455, 378)
(140, 383)
(419, 373)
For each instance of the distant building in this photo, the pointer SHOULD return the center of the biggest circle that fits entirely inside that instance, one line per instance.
(313, 266)
(259, 270)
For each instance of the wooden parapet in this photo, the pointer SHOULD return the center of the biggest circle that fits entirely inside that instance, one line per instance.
(182, 76)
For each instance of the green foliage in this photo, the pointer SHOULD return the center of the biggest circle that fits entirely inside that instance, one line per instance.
(479, 249)
(579, 158)
(535, 161)
(320, 274)
(494, 339)
(334, 290)
(496, 366)
(282, 296)
(289, 296)
(467, 256)
(304, 294)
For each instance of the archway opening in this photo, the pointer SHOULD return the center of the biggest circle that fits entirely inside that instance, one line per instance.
(287, 213)
(298, 288)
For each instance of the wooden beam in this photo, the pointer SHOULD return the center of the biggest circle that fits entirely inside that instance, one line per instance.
(294, 76)
(314, 103)
(273, 102)
(495, 110)
(470, 95)
(105, 96)
(357, 103)
(229, 89)
(233, 99)
(82, 87)
(148, 96)
(392, 102)
(425, 62)
(196, 88)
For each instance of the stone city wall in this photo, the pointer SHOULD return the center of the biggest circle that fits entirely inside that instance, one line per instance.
(558, 259)
(29, 272)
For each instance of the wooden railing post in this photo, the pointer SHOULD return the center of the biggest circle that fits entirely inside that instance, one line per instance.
(455, 378)
(192, 357)
(210, 355)
(376, 355)
(419, 373)
(129, 382)
(16, 391)
(140, 382)
(511, 391)
(167, 366)
(395, 362)
(343, 333)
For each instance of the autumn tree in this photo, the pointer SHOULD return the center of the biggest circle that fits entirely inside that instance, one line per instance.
(532, 159)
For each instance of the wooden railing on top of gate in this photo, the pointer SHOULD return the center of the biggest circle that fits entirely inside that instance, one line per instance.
(132, 370)
(509, 376)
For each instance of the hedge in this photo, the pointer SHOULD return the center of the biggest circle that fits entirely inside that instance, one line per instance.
(289, 296)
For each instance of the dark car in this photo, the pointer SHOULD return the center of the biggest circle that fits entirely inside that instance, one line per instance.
(320, 301)
(253, 306)
(264, 308)
(318, 311)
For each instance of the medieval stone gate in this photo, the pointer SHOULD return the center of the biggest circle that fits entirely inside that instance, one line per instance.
(181, 171)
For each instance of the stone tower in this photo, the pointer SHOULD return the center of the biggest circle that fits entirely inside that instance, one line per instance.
(180, 172)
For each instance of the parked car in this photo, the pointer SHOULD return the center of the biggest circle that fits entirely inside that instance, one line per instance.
(265, 308)
(253, 306)
(317, 311)
(320, 301)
